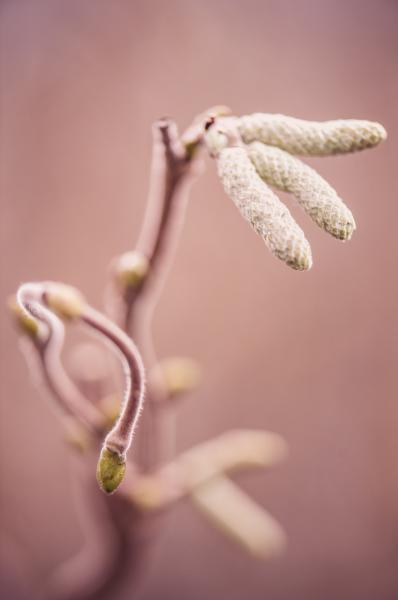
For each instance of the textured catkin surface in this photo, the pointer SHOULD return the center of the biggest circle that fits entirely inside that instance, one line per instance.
(262, 209)
(315, 195)
(310, 137)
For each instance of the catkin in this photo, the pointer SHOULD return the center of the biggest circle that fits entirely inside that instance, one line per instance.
(315, 195)
(310, 137)
(262, 208)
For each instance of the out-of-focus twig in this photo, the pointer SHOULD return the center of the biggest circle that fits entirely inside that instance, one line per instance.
(230, 509)
(232, 451)
(49, 344)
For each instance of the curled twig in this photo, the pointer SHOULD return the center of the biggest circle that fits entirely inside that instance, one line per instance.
(32, 300)
(111, 466)
(37, 299)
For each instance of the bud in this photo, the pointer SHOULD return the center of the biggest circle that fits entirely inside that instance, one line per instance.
(28, 325)
(66, 301)
(176, 375)
(263, 209)
(131, 269)
(77, 436)
(110, 470)
(298, 136)
(315, 195)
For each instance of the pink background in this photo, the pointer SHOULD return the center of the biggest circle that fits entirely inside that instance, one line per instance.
(311, 356)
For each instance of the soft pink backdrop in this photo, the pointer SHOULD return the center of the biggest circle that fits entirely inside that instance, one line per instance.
(311, 356)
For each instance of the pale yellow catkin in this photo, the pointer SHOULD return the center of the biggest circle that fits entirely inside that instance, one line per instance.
(311, 137)
(262, 208)
(315, 195)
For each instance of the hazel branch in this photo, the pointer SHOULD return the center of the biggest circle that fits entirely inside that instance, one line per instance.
(199, 473)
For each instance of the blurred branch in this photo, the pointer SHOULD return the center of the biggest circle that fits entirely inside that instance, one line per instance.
(239, 517)
(48, 345)
(230, 452)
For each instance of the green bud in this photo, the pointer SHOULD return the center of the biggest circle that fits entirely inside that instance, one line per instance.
(27, 324)
(110, 470)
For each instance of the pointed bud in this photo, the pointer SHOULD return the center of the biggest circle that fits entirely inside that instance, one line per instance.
(110, 470)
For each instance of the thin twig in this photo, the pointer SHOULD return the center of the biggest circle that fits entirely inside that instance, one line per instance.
(173, 171)
(49, 347)
(117, 442)
(119, 439)
(172, 175)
